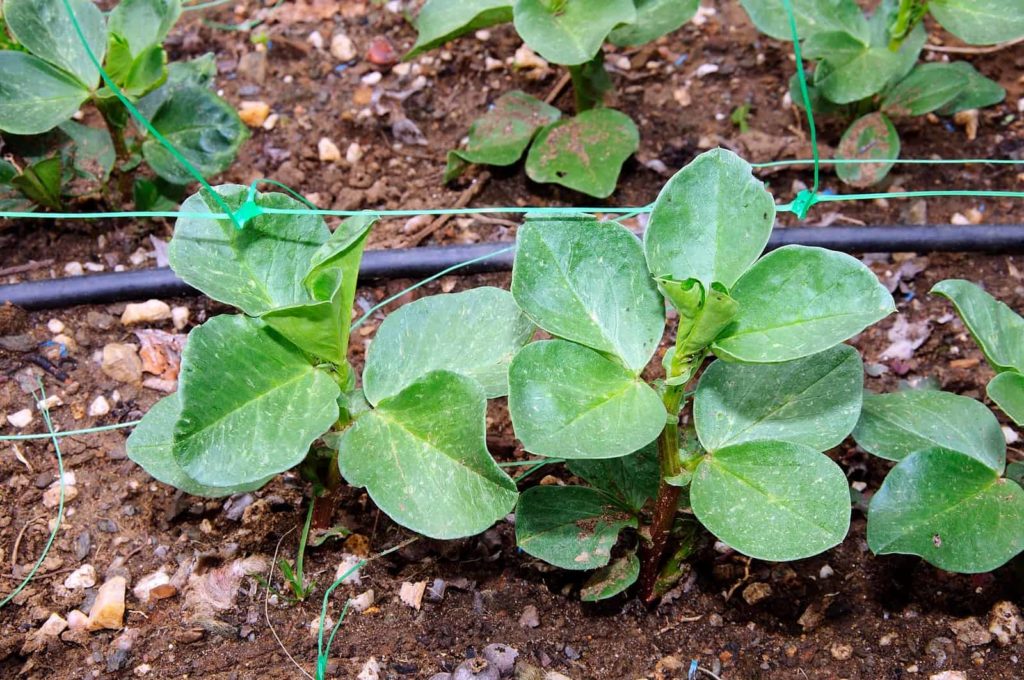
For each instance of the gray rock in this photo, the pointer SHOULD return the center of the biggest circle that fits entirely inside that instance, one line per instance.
(501, 656)
(476, 669)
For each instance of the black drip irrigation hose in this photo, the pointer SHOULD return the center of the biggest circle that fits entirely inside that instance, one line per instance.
(418, 263)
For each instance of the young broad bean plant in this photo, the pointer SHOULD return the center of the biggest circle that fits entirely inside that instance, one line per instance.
(48, 76)
(584, 152)
(867, 66)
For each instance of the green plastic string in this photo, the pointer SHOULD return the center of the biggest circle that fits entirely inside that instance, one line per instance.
(142, 119)
(60, 504)
(805, 199)
(205, 5)
(895, 161)
(68, 433)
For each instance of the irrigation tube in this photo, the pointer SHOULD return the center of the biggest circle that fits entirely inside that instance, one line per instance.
(414, 263)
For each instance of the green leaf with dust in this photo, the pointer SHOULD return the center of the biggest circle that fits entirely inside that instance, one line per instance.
(181, 75)
(772, 500)
(797, 301)
(897, 424)
(1007, 391)
(251, 403)
(585, 281)
(868, 138)
(654, 18)
(501, 135)
(611, 580)
(814, 401)
(150, 446)
(1015, 472)
(342, 251)
(980, 22)
(441, 21)
(93, 152)
(204, 129)
(34, 96)
(977, 94)
(949, 509)
(157, 195)
(632, 479)
(41, 182)
(45, 29)
(320, 328)
(569, 401)
(144, 23)
(812, 16)
(430, 474)
(998, 330)
(258, 268)
(928, 87)
(569, 32)
(572, 527)
(584, 153)
(710, 222)
(474, 333)
(701, 320)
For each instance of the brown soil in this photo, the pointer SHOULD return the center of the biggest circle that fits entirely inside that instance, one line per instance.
(871, 618)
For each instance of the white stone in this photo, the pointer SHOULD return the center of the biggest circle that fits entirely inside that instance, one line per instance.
(55, 325)
(20, 419)
(51, 497)
(825, 572)
(492, 64)
(948, 675)
(93, 267)
(370, 670)
(83, 577)
(342, 48)
(108, 609)
(180, 317)
(371, 78)
(403, 69)
(1010, 435)
(143, 669)
(66, 340)
(482, 35)
(316, 40)
(74, 269)
(147, 583)
(354, 153)
(362, 602)
(328, 151)
(50, 403)
(411, 594)
(706, 70)
(53, 626)
(348, 563)
(77, 620)
(149, 311)
(99, 407)
(527, 59)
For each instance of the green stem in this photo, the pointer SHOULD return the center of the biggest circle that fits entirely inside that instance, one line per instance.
(120, 151)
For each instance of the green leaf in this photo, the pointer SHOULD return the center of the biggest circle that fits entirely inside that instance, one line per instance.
(585, 281)
(181, 75)
(34, 96)
(584, 153)
(8, 171)
(423, 459)
(148, 71)
(998, 330)
(93, 152)
(980, 22)
(474, 333)
(654, 18)
(144, 23)
(949, 509)
(710, 222)
(569, 32)
(1015, 472)
(590, 83)
(1007, 391)
(258, 268)
(501, 135)
(443, 20)
(869, 137)
(611, 580)
(814, 401)
(798, 301)
(251, 403)
(342, 251)
(204, 129)
(632, 480)
(44, 27)
(150, 445)
(571, 527)
(812, 16)
(320, 328)
(157, 195)
(41, 182)
(895, 425)
(771, 500)
(569, 401)
(927, 88)
(977, 94)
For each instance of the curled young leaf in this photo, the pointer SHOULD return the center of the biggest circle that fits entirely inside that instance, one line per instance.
(632, 480)
(144, 23)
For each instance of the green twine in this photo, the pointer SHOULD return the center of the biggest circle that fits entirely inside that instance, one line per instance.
(806, 96)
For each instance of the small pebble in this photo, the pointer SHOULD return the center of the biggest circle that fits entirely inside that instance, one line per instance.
(55, 325)
(370, 670)
(74, 269)
(841, 652)
(83, 577)
(149, 311)
(1010, 435)
(381, 52)
(477, 668)
(99, 407)
(107, 610)
(371, 78)
(21, 418)
(706, 70)
(328, 151)
(254, 113)
(362, 602)
(411, 594)
(501, 657)
(121, 362)
(825, 572)
(529, 617)
(342, 48)
(354, 153)
(316, 40)
(180, 317)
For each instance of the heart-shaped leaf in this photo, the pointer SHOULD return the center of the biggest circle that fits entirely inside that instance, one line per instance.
(949, 509)
(772, 500)
(814, 401)
(977, 94)
(927, 88)
(572, 527)
(45, 29)
(584, 153)
(251, 403)
(474, 333)
(34, 96)
(443, 20)
(710, 222)
(632, 480)
(980, 22)
(569, 401)
(144, 23)
(1007, 391)
(869, 137)
(997, 329)
(150, 445)
(569, 32)
(258, 268)
(430, 474)
(204, 129)
(611, 580)
(654, 18)
(812, 16)
(585, 281)
(798, 301)
(895, 425)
